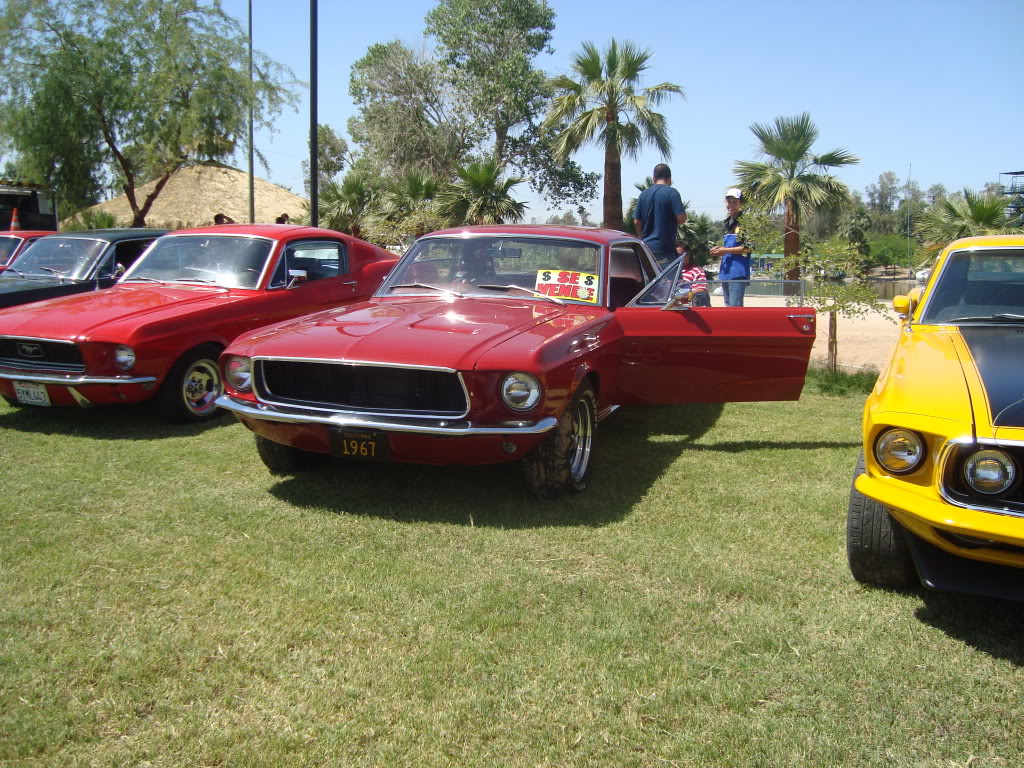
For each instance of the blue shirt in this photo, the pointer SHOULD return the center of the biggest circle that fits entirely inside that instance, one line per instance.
(658, 209)
(735, 266)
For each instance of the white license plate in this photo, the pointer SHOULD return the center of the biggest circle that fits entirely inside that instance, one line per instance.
(30, 393)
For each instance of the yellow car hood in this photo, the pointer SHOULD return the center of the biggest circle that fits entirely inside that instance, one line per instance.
(925, 377)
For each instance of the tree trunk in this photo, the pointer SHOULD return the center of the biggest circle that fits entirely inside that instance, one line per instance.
(833, 343)
(612, 187)
(791, 246)
(500, 136)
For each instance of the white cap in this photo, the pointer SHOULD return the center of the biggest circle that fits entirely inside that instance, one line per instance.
(734, 192)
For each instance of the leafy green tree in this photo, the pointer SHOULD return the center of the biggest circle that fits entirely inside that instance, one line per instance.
(131, 90)
(331, 154)
(567, 219)
(964, 216)
(604, 103)
(700, 233)
(479, 195)
(893, 250)
(935, 193)
(855, 228)
(409, 205)
(790, 177)
(491, 44)
(411, 113)
(883, 197)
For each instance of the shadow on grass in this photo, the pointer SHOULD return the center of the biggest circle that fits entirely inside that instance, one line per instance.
(992, 626)
(626, 465)
(115, 422)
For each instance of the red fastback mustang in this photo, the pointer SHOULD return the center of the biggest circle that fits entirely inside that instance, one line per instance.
(490, 344)
(159, 331)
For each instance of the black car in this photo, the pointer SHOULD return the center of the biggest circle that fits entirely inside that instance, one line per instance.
(76, 262)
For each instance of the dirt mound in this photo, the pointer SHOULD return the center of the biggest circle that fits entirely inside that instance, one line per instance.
(195, 193)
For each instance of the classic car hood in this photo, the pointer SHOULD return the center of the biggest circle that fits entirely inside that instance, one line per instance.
(75, 317)
(926, 377)
(997, 352)
(414, 331)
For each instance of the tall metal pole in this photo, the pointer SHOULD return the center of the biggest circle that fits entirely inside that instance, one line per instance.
(252, 95)
(314, 165)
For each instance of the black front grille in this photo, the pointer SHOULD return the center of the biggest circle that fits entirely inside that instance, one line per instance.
(360, 387)
(956, 487)
(33, 354)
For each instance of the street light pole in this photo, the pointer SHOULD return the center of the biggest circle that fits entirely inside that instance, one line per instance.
(314, 165)
(252, 96)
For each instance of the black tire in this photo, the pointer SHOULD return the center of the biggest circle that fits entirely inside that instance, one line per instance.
(875, 545)
(190, 391)
(564, 461)
(282, 459)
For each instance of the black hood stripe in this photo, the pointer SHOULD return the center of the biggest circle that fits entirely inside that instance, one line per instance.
(999, 356)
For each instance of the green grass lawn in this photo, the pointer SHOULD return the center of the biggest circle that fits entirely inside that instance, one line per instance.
(165, 601)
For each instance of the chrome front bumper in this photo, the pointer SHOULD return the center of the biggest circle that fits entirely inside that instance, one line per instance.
(72, 379)
(444, 427)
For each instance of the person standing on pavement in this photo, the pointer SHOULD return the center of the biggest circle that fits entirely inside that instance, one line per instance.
(735, 251)
(659, 211)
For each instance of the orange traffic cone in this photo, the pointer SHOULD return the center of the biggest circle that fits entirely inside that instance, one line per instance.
(15, 224)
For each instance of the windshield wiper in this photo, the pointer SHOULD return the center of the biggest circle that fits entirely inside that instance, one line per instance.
(18, 272)
(527, 290)
(144, 280)
(431, 287)
(54, 271)
(204, 280)
(1001, 316)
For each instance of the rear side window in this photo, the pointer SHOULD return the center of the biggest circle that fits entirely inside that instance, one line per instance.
(319, 259)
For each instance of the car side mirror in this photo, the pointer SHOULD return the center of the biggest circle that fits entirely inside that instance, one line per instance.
(297, 277)
(679, 303)
(905, 305)
(119, 270)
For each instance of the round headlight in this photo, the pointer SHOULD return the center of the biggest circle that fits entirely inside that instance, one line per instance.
(238, 372)
(124, 357)
(990, 472)
(899, 450)
(520, 391)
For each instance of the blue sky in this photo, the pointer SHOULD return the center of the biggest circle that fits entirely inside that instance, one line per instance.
(928, 85)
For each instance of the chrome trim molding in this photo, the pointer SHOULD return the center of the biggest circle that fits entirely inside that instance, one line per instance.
(406, 414)
(71, 380)
(442, 427)
(37, 338)
(944, 454)
(607, 412)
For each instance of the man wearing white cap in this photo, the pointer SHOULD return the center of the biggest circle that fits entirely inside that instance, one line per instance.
(735, 251)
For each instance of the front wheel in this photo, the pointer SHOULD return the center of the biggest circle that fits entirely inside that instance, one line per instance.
(282, 459)
(563, 462)
(875, 546)
(190, 391)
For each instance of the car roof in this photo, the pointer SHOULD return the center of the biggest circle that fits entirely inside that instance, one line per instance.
(273, 231)
(593, 234)
(987, 241)
(112, 235)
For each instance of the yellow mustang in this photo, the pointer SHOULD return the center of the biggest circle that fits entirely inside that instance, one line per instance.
(938, 492)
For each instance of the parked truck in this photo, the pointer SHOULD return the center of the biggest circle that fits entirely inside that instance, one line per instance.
(34, 203)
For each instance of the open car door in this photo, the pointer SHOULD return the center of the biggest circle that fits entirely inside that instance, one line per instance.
(674, 353)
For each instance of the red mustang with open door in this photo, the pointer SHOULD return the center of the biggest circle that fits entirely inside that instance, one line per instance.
(490, 344)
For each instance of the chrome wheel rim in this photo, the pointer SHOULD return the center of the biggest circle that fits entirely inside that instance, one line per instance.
(581, 440)
(201, 387)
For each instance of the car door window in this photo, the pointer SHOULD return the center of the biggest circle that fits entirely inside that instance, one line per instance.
(661, 288)
(319, 259)
(122, 256)
(626, 275)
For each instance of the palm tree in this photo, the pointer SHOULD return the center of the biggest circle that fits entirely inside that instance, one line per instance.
(790, 177)
(410, 200)
(605, 104)
(478, 195)
(951, 218)
(346, 206)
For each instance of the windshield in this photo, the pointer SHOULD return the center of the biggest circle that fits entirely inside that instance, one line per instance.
(978, 286)
(68, 257)
(230, 262)
(480, 265)
(8, 245)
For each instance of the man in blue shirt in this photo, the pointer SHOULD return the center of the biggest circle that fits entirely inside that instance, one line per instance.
(659, 211)
(734, 271)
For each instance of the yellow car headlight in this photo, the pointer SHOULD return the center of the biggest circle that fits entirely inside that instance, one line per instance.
(900, 451)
